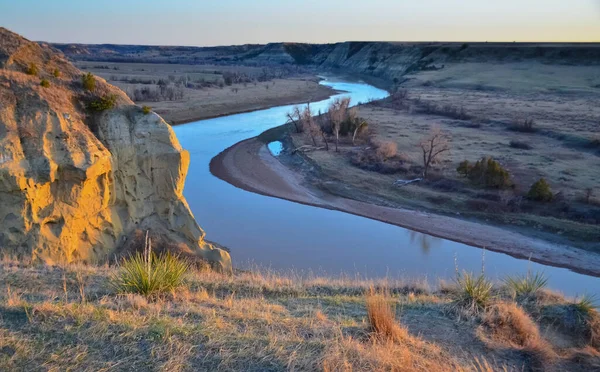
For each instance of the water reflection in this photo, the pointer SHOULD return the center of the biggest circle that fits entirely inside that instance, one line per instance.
(424, 241)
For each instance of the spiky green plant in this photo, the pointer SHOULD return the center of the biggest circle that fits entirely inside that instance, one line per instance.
(473, 292)
(150, 274)
(586, 304)
(527, 285)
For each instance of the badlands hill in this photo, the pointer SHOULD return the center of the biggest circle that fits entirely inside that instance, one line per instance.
(84, 173)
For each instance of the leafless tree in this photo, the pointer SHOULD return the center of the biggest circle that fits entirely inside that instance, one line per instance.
(338, 112)
(433, 146)
(308, 124)
(295, 116)
(321, 127)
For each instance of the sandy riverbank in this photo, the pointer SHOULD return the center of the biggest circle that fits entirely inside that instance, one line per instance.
(249, 165)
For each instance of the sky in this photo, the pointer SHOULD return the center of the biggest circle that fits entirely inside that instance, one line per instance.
(227, 22)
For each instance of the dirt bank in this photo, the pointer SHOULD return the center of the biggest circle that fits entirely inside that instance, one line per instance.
(249, 165)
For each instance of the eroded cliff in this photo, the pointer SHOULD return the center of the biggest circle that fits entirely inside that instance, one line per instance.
(78, 185)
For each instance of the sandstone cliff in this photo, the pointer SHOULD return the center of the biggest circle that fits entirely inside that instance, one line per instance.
(77, 185)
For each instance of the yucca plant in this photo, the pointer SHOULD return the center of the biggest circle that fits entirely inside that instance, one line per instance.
(473, 292)
(586, 304)
(149, 274)
(528, 285)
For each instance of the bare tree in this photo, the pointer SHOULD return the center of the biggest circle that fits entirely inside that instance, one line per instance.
(360, 127)
(338, 112)
(321, 128)
(308, 124)
(295, 116)
(433, 146)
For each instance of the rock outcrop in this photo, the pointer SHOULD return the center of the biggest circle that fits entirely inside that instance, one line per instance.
(77, 185)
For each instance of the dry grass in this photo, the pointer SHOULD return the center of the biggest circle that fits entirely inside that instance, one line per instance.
(381, 314)
(507, 324)
(70, 318)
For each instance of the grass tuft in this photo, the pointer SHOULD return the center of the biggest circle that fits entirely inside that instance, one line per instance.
(150, 274)
(382, 318)
(473, 292)
(528, 285)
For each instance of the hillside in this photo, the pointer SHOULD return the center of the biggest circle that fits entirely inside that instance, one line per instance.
(83, 171)
(385, 60)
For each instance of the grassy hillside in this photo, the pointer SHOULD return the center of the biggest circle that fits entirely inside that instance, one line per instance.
(71, 318)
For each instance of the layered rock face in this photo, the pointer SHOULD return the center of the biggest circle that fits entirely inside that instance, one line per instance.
(78, 186)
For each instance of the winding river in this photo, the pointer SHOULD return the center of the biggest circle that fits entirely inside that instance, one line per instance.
(283, 235)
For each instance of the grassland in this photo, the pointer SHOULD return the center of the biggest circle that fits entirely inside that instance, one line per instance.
(206, 91)
(479, 105)
(71, 318)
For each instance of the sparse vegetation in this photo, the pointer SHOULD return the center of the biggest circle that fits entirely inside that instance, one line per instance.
(32, 69)
(146, 109)
(103, 103)
(525, 126)
(262, 321)
(540, 191)
(520, 145)
(45, 83)
(56, 73)
(89, 82)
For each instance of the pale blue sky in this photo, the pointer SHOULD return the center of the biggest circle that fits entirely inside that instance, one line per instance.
(218, 22)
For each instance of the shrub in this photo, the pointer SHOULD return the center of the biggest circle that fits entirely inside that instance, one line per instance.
(520, 145)
(45, 83)
(103, 103)
(32, 69)
(89, 81)
(540, 191)
(485, 172)
(56, 73)
(526, 126)
(386, 149)
(146, 109)
(149, 274)
(527, 285)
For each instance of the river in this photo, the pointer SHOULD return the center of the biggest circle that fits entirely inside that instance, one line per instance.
(282, 235)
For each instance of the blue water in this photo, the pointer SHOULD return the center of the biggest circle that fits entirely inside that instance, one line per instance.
(279, 234)
(275, 148)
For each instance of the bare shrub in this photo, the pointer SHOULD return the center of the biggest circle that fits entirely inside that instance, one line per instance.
(453, 112)
(432, 147)
(386, 149)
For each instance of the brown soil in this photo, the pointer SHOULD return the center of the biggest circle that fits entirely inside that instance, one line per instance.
(250, 166)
